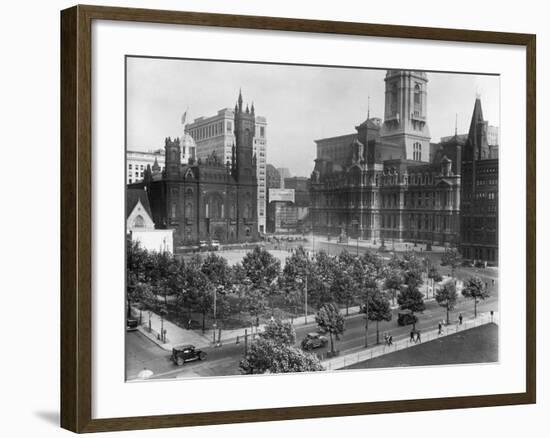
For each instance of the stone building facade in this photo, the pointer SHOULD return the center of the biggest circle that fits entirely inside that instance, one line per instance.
(216, 135)
(479, 206)
(386, 181)
(208, 199)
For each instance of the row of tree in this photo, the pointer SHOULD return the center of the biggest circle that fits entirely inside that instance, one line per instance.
(258, 285)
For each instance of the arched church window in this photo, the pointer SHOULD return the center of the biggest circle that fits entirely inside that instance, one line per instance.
(139, 222)
(188, 209)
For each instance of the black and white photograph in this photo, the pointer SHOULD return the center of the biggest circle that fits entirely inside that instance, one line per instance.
(287, 218)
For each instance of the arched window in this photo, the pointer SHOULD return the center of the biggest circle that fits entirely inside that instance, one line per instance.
(417, 100)
(188, 210)
(139, 222)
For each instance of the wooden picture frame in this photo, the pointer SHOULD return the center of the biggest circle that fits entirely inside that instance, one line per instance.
(76, 217)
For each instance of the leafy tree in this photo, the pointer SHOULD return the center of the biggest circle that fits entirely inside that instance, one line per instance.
(296, 276)
(451, 258)
(446, 296)
(372, 262)
(200, 291)
(412, 268)
(475, 289)
(369, 288)
(346, 279)
(266, 355)
(139, 265)
(262, 269)
(410, 298)
(434, 274)
(279, 332)
(216, 269)
(260, 266)
(252, 298)
(378, 310)
(331, 321)
(393, 282)
(143, 297)
(319, 288)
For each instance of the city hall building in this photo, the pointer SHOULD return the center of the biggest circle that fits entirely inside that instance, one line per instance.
(387, 181)
(211, 198)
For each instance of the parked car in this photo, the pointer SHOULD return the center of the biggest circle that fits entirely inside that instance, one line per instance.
(131, 325)
(203, 245)
(314, 340)
(213, 245)
(186, 353)
(406, 317)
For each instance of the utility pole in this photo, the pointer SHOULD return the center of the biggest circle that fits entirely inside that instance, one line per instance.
(305, 319)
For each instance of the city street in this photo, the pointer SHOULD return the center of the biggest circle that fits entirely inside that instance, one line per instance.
(144, 353)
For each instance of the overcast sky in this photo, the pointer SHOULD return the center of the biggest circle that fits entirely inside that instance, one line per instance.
(301, 103)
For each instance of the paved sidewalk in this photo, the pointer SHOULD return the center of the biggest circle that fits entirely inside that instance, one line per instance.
(176, 335)
(360, 355)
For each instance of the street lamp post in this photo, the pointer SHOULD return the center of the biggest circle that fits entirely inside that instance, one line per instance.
(305, 299)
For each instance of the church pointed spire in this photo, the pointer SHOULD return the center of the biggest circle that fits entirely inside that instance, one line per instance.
(240, 100)
(252, 109)
(456, 124)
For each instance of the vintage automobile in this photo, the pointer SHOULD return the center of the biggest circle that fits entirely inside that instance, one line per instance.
(210, 245)
(186, 353)
(314, 340)
(406, 317)
(131, 325)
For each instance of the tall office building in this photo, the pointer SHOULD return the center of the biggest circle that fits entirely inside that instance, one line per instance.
(215, 136)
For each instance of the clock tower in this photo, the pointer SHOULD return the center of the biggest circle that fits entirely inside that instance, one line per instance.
(405, 114)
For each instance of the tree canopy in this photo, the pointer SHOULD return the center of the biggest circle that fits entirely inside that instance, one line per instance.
(331, 321)
(446, 296)
(475, 289)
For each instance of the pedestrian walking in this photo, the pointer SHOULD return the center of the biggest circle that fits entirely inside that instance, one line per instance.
(417, 337)
(493, 281)
(460, 318)
(440, 328)
(412, 336)
(390, 340)
(492, 313)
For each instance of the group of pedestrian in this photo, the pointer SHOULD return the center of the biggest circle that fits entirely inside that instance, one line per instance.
(388, 339)
(415, 336)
